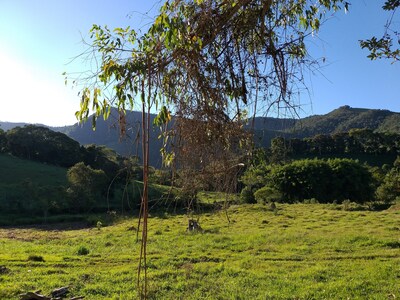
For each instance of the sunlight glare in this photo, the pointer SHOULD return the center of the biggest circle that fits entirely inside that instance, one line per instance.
(31, 96)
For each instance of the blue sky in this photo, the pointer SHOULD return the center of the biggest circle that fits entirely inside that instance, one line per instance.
(39, 38)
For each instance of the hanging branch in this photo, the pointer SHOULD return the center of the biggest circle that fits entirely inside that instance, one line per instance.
(208, 63)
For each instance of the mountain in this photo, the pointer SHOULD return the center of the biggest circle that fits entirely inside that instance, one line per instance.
(108, 133)
(265, 128)
(345, 118)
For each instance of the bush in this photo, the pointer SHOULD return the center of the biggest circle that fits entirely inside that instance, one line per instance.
(267, 195)
(36, 258)
(82, 250)
(390, 188)
(327, 181)
(247, 196)
(302, 179)
(314, 201)
(351, 180)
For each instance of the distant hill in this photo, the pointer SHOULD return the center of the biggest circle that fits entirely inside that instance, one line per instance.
(108, 133)
(10, 125)
(339, 120)
(265, 128)
(345, 118)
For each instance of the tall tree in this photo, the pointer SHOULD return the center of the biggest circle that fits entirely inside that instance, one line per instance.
(86, 187)
(210, 63)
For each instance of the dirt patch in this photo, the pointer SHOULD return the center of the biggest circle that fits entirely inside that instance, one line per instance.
(15, 235)
(35, 232)
(52, 227)
(394, 207)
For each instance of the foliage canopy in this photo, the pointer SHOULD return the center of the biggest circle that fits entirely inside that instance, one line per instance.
(326, 180)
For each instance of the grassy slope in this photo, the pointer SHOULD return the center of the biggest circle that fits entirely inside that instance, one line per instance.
(297, 252)
(16, 170)
(14, 174)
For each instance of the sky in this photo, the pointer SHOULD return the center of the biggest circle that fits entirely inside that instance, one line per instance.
(39, 39)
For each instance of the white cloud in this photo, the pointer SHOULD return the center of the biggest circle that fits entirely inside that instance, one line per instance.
(28, 94)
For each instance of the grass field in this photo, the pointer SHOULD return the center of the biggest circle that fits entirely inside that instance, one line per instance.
(299, 251)
(14, 170)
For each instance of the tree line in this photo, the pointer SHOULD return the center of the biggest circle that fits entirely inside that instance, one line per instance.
(354, 142)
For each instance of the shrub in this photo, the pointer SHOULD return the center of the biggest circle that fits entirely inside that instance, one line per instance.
(247, 196)
(314, 201)
(302, 179)
(335, 179)
(346, 204)
(390, 188)
(82, 250)
(351, 180)
(35, 258)
(267, 194)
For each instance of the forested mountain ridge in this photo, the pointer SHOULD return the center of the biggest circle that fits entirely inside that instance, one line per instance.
(346, 118)
(342, 119)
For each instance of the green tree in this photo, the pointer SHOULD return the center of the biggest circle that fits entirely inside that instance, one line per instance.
(302, 179)
(44, 145)
(321, 144)
(389, 191)
(351, 180)
(279, 151)
(40, 199)
(255, 176)
(341, 142)
(87, 187)
(335, 179)
(368, 141)
(163, 177)
(103, 158)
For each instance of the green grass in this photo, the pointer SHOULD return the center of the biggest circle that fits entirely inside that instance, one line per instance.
(216, 197)
(298, 251)
(15, 170)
